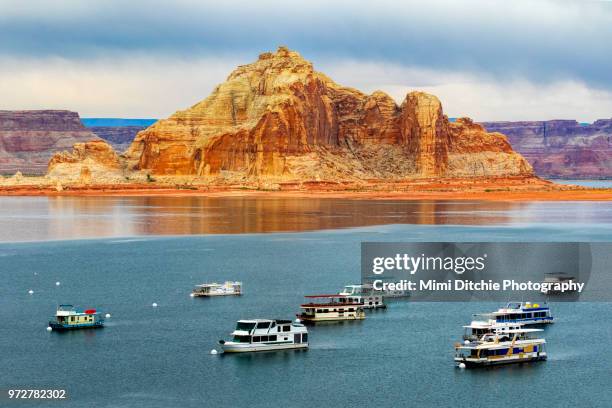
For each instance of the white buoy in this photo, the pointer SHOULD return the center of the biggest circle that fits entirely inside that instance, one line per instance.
(298, 321)
(49, 328)
(107, 315)
(461, 365)
(466, 342)
(154, 305)
(213, 351)
(57, 283)
(31, 292)
(191, 295)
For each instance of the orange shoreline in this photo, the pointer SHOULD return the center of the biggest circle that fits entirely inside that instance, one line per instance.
(415, 193)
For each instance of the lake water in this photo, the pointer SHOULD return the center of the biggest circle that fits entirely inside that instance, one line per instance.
(586, 183)
(159, 357)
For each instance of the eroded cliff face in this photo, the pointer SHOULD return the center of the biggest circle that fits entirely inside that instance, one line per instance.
(94, 161)
(28, 139)
(562, 148)
(278, 117)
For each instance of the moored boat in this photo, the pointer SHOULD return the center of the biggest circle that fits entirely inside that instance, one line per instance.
(266, 335)
(335, 309)
(68, 317)
(478, 328)
(228, 288)
(525, 313)
(511, 346)
(364, 295)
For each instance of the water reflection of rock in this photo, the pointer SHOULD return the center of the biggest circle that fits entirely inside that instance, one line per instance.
(125, 216)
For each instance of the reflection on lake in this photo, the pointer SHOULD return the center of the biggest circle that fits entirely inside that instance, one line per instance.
(46, 218)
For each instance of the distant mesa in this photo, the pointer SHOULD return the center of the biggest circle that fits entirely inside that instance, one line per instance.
(562, 148)
(28, 139)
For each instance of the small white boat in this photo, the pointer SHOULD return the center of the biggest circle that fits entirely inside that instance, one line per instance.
(512, 346)
(228, 288)
(335, 309)
(522, 312)
(365, 295)
(266, 335)
(556, 278)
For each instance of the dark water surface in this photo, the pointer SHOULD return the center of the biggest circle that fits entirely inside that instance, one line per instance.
(159, 357)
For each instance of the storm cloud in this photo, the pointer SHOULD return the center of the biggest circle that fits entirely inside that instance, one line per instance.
(543, 46)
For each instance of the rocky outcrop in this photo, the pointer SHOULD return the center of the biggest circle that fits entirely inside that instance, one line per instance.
(28, 139)
(119, 137)
(92, 161)
(278, 117)
(562, 148)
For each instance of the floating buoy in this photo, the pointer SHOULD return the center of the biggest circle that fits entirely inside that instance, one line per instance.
(107, 315)
(49, 328)
(57, 283)
(298, 321)
(31, 292)
(154, 305)
(191, 295)
(213, 351)
(461, 365)
(466, 342)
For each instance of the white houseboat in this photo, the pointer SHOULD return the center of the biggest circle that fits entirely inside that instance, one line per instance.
(266, 335)
(478, 328)
(512, 346)
(335, 309)
(228, 288)
(365, 295)
(524, 313)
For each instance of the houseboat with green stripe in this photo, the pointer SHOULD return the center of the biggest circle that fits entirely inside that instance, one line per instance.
(68, 317)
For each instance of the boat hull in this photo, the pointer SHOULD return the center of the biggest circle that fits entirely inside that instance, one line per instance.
(195, 294)
(310, 319)
(525, 358)
(250, 348)
(61, 327)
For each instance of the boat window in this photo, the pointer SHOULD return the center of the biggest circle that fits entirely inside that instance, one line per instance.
(351, 309)
(272, 338)
(264, 338)
(297, 338)
(305, 338)
(286, 328)
(273, 325)
(263, 325)
(245, 326)
(256, 339)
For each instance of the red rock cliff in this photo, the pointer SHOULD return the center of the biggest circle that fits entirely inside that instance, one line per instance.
(279, 117)
(28, 139)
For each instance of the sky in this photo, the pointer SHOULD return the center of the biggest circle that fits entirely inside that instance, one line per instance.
(489, 60)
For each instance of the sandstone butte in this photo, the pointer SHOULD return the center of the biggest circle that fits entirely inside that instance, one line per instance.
(279, 119)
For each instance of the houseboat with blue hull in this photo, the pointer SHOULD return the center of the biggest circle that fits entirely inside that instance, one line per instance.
(266, 335)
(511, 346)
(68, 317)
(525, 313)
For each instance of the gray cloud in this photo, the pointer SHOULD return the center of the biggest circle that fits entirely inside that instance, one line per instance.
(540, 41)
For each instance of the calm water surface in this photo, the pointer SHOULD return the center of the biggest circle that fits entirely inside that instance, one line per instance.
(52, 218)
(159, 357)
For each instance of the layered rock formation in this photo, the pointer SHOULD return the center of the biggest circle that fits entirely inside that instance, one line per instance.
(562, 148)
(28, 139)
(278, 117)
(92, 161)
